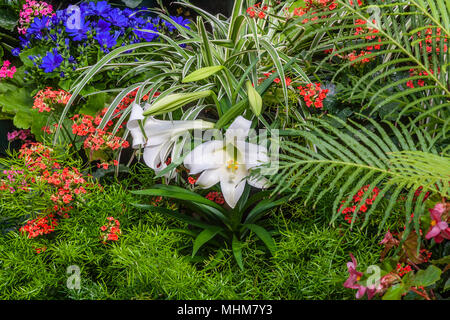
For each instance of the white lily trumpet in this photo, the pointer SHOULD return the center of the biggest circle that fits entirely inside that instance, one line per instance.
(160, 136)
(228, 161)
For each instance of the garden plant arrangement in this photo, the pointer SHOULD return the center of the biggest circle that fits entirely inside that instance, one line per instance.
(291, 150)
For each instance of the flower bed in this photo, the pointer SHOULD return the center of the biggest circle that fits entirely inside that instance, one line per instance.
(294, 150)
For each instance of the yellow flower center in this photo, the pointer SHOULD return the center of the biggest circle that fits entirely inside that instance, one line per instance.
(433, 223)
(358, 278)
(233, 165)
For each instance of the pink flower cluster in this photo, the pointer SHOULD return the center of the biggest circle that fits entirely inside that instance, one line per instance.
(7, 72)
(19, 135)
(30, 10)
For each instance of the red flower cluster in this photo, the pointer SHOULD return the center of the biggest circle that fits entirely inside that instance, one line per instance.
(156, 201)
(111, 231)
(348, 212)
(68, 182)
(39, 226)
(403, 270)
(425, 255)
(257, 11)
(428, 42)
(313, 7)
(217, 197)
(313, 94)
(192, 180)
(353, 56)
(420, 82)
(367, 32)
(287, 80)
(46, 100)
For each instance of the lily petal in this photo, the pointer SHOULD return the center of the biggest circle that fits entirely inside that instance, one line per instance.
(209, 178)
(258, 182)
(232, 189)
(255, 155)
(209, 155)
(152, 157)
(238, 130)
(133, 125)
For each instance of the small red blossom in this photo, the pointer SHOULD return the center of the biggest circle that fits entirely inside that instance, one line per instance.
(313, 94)
(111, 231)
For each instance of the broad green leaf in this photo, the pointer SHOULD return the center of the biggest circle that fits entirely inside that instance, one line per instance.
(427, 277)
(394, 293)
(94, 104)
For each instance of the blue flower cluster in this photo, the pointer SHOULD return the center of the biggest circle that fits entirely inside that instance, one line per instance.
(80, 31)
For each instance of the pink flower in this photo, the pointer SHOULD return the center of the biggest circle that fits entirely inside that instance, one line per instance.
(354, 277)
(439, 229)
(389, 239)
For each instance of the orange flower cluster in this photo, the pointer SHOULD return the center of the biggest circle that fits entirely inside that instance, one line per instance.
(95, 139)
(67, 182)
(46, 100)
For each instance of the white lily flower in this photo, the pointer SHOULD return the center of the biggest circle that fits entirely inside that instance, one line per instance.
(160, 137)
(228, 161)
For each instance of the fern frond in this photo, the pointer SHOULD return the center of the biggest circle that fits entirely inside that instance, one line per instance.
(396, 160)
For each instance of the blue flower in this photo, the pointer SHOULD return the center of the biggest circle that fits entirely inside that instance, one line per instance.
(147, 35)
(38, 25)
(51, 61)
(101, 8)
(106, 40)
(79, 34)
(178, 20)
(15, 52)
(60, 15)
(103, 26)
(117, 19)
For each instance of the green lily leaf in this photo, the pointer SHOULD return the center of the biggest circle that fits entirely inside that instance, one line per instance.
(264, 235)
(237, 251)
(204, 237)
